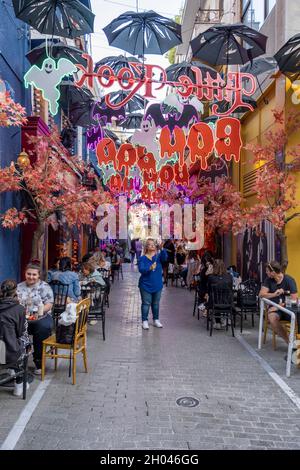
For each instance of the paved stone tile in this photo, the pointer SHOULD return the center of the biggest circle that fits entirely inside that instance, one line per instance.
(128, 398)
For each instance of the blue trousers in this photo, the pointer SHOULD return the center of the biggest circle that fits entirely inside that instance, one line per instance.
(40, 330)
(150, 299)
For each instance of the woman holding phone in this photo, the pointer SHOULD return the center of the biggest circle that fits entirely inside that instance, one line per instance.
(150, 283)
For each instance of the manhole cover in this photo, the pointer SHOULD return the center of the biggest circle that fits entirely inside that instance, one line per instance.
(188, 402)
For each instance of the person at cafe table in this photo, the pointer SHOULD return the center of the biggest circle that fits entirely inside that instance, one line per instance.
(276, 287)
(37, 298)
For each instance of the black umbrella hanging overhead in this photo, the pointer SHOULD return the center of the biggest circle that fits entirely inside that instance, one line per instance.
(132, 121)
(104, 114)
(136, 103)
(223, 106)
(117, 62)
(288, 58)
(143, 33)
(65, 18)
(259, 66)
(219, 45)
(56, 50)
(81, 114)
(185, 68)
(71, 95)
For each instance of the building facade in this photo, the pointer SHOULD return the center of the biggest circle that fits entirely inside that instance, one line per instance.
(279, 21)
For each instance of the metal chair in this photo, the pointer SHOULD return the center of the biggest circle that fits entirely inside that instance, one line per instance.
(220, 306)
(60, 292)
(105, 273)
(246, 302)
(21, 370)
(78, 344)
(96, 294)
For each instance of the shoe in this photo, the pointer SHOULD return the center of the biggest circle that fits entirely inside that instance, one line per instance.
(37, 371)
(18, 390)
(157, 324)
(93, 322)
(217, 326)
(145, 325)
(294, 356)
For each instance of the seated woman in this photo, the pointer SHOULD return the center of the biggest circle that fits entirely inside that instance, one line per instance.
(193, 267)
(219, 279)
(91, 274)
(37, 297)
(13, 328)
(65, 275)
(180, 260)
(54, 269)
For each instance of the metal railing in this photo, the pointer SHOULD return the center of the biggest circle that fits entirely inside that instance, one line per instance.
(264, 301)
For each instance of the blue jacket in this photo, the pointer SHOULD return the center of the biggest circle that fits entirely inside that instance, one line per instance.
(67, 277)
(151, 281)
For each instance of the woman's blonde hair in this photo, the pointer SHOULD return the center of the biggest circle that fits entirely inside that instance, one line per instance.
(147, 243)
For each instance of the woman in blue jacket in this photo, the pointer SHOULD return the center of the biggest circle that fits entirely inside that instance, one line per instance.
(150, 283)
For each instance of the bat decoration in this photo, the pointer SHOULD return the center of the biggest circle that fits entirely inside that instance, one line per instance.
(217, 169)
(48, 78)
(184, 119)
(106, 115)
(93, 136)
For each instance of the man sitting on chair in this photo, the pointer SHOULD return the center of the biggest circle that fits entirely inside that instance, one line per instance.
(275, 287)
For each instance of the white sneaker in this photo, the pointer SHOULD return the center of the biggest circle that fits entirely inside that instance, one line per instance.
(157, 324)
(37, 371)
(18, 390)
(217, 326)
(93, 322)
(145, 325)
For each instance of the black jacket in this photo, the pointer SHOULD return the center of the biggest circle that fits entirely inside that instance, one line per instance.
(12, 328)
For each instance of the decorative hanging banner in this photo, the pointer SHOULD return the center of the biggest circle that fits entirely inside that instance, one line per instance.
(237, 86)
(201, 142)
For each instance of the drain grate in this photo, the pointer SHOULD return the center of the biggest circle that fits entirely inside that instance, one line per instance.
(187, 402)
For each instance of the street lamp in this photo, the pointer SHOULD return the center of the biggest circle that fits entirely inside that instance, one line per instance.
(23, 159)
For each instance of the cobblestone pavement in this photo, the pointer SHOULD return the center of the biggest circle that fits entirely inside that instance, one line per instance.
(128, 398)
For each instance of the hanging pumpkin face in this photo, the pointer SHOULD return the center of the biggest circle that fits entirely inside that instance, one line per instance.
(106, 152)
(166, 175)
(181, 174)
(126, 158)
(145, 161)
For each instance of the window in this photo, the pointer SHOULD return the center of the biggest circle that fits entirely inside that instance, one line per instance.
(256, 11)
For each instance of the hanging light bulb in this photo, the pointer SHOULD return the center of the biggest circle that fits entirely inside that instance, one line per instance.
(23, 159)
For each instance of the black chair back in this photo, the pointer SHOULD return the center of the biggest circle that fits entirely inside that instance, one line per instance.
(104, 272)
(222, 299)
(247, 295)
(60, 292)
(96, 293)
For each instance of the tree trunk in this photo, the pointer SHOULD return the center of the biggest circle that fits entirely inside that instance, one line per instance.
(40, 230)
(283, 249)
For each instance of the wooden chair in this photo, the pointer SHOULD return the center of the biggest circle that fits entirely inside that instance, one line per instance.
(78, 345)
(285, 324)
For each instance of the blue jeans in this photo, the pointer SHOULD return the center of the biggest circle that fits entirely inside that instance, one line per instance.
(40, 330)
(150, 299)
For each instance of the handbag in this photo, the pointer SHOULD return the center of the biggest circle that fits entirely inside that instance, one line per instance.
(65, 334)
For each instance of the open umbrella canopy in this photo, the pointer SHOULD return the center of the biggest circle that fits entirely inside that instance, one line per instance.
(185, 68)
(56, 50)
(259, 65)
(132, 121)
(223, 106)
(219, 45)
(71, 95)
(80, 114)
(65, 18)
(143, 33)
(117, 62)
(288, 58)
(137, 102)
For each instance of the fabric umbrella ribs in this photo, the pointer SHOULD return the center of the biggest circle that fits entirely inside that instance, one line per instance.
(64, 18)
